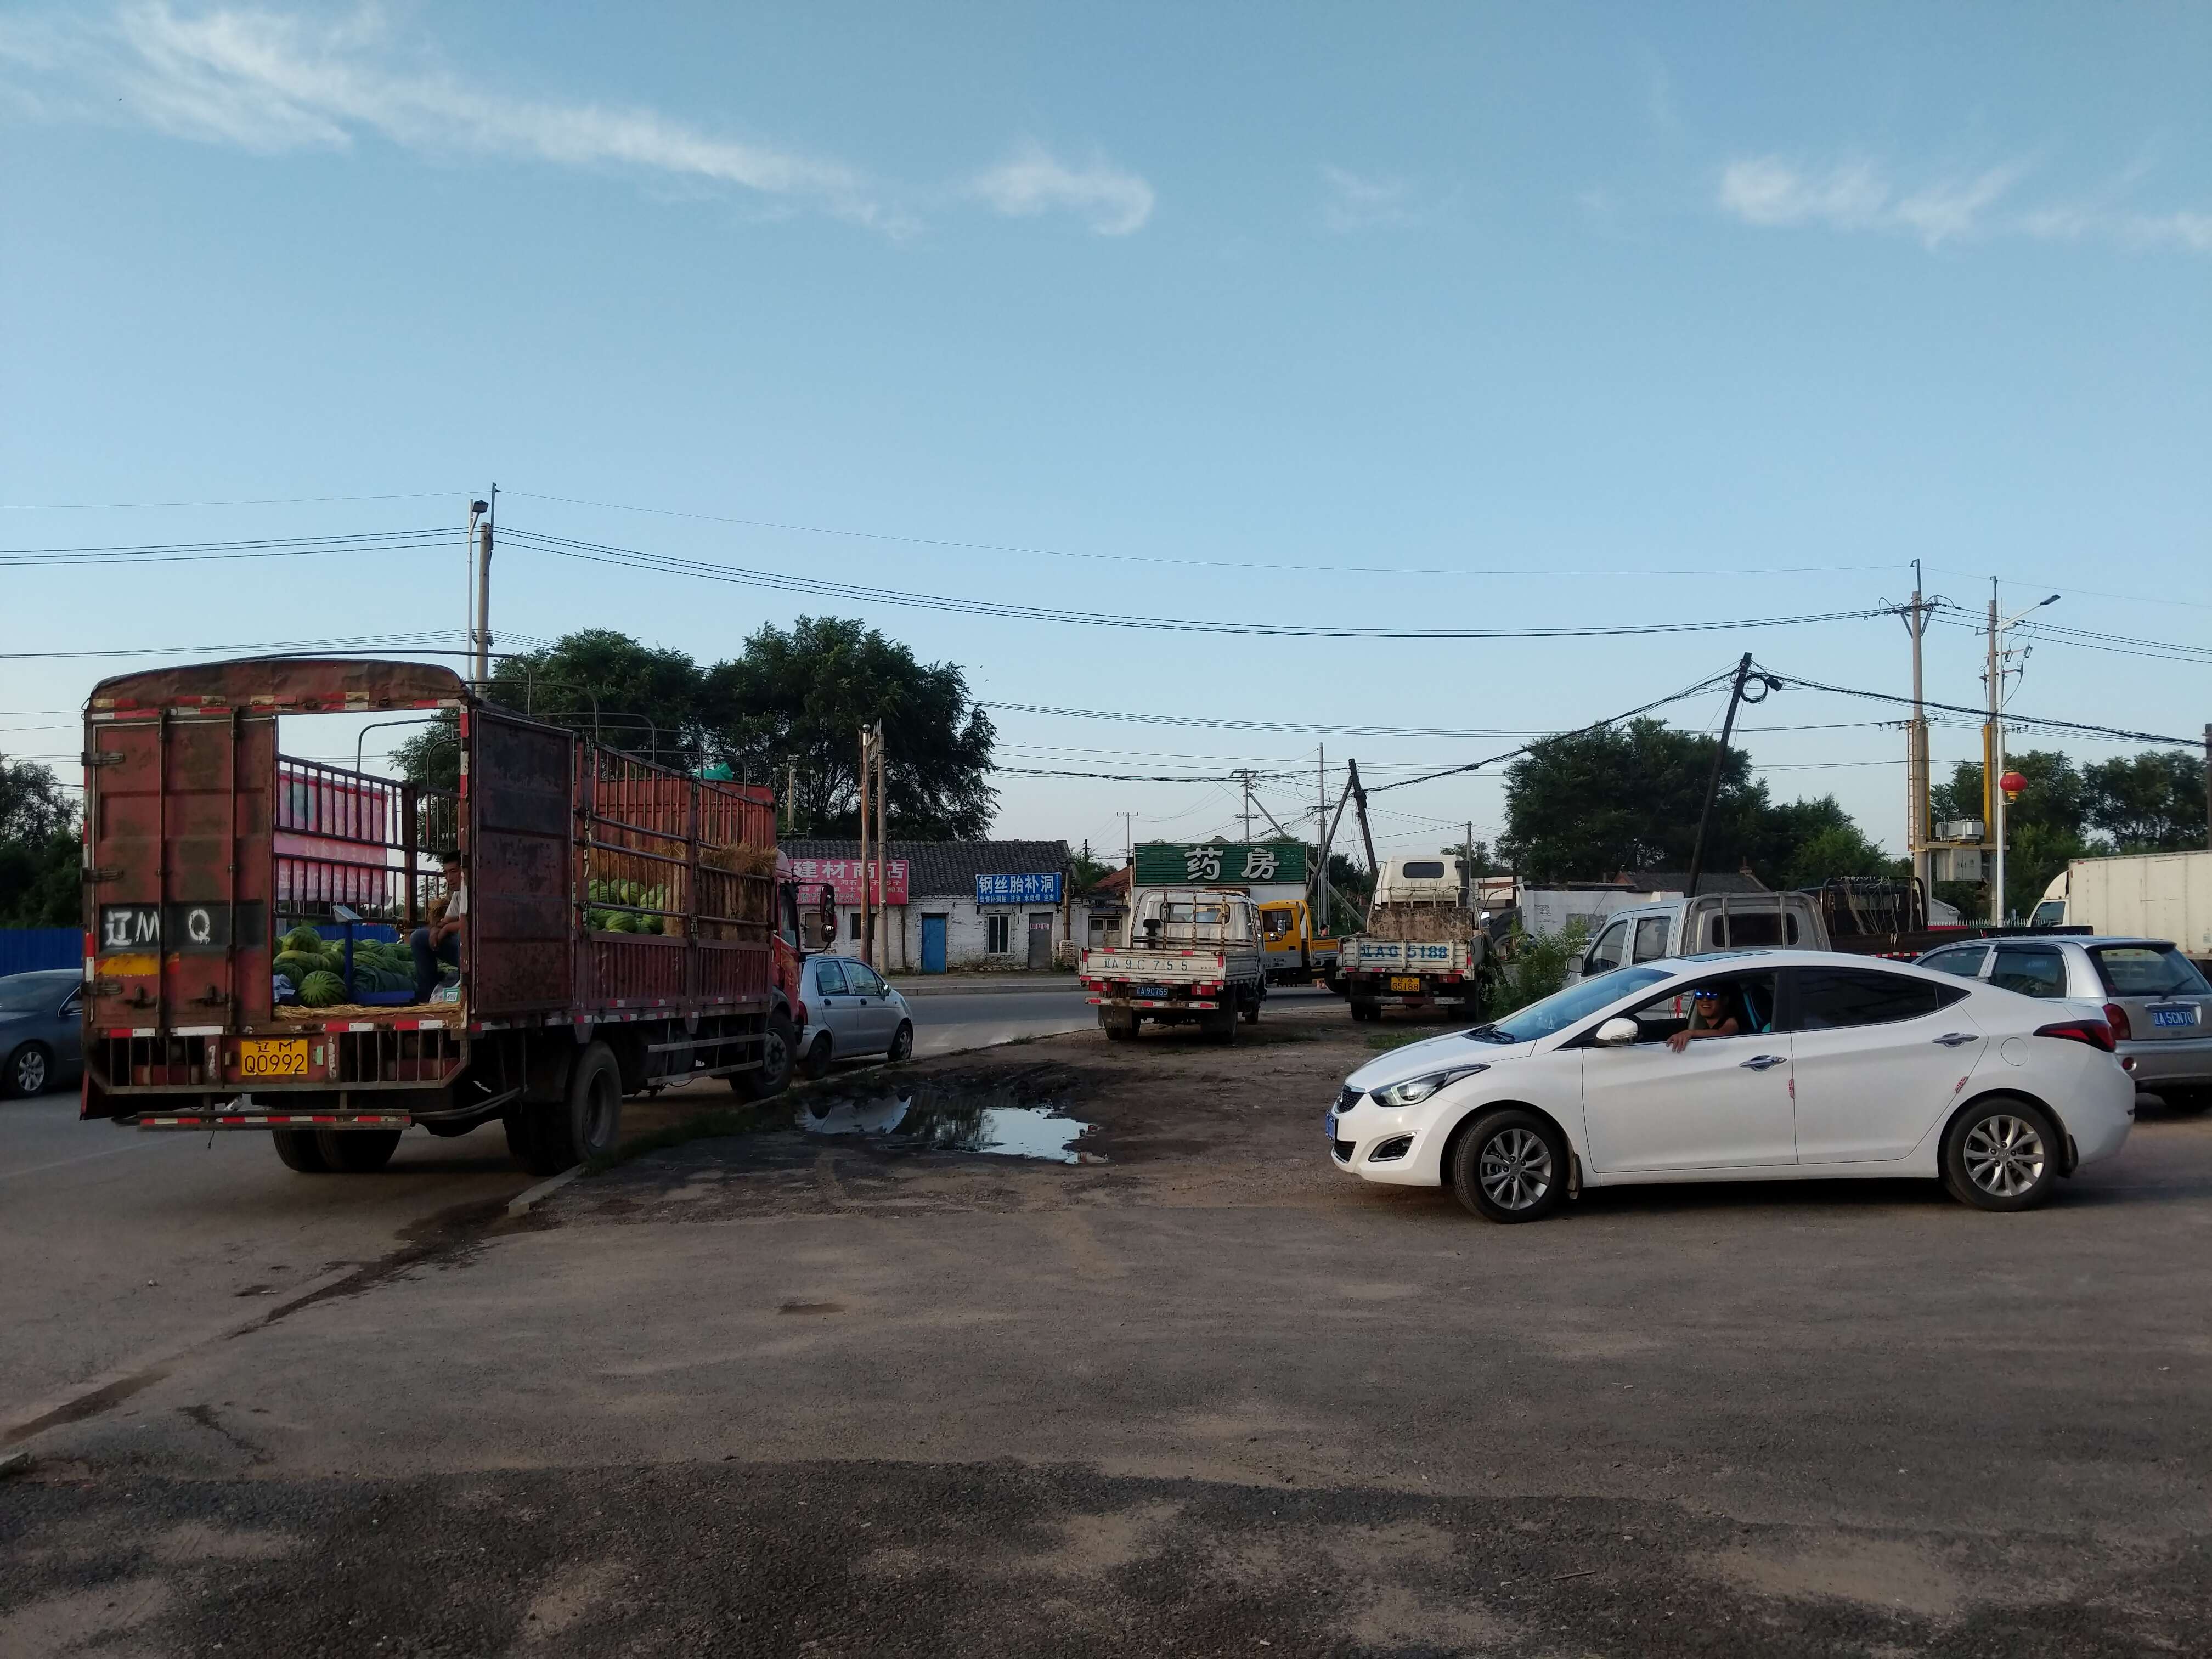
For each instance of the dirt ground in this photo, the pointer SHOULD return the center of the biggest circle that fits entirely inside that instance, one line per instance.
(820, 1389)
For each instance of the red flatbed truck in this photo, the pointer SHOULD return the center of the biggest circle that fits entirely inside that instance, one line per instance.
(204, 845)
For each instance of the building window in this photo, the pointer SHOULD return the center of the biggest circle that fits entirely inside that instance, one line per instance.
(856, 924)
(996, 927)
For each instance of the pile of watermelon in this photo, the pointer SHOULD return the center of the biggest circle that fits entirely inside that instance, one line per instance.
(649, 915)
(316, 967)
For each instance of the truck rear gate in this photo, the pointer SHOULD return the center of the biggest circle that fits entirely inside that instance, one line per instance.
(204, 845)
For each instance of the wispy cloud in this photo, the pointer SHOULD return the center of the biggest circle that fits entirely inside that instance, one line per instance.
(269, 83)
(1113, 200)
(1860, 196)
(1355, 201)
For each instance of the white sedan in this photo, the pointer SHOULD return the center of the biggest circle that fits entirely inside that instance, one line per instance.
(1791, 1065)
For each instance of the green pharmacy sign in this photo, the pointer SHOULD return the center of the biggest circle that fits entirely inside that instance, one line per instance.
(1217, 863)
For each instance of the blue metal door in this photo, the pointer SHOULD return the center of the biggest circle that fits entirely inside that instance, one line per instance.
(933, 945)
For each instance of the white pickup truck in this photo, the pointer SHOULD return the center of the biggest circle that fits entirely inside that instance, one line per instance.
(1192, 954)
(1678, 926)
(1423, 946)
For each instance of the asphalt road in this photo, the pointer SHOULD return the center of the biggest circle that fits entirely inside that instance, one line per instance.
(123, 1248)
(792, 1393)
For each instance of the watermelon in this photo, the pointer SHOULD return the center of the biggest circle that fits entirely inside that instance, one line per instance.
(301, 939)
(296, 966)
(322, 990)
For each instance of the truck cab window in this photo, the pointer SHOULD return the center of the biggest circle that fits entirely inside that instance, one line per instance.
(1605, 954)
(1651, 937)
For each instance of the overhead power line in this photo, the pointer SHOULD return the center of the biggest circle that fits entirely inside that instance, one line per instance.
(1271, 565)
(1140, 777)
(634, 559)
(276, 547)
(262, 500)
(2041, 721)
(1319, 728)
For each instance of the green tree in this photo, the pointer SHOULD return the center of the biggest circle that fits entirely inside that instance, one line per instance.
(2147, 803)
(798, 698)
(792, 700)
(1477, 856)
(41, 855)
(2044, 829)
(1585, 806)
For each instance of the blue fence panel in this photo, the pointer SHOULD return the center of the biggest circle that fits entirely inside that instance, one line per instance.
(26, 950)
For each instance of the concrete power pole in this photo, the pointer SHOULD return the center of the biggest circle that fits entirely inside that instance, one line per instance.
(484, 590)
(1993, 768)
(477, 510)
(1919, 830)
(1129, 838)
(868, 905)
(883, 848)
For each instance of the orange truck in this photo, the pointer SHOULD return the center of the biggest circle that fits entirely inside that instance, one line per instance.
(624, 924)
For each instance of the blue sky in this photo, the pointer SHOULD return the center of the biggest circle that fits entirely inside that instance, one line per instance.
(1491, 317)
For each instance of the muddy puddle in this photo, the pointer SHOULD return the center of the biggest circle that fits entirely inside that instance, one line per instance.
(921, 1118)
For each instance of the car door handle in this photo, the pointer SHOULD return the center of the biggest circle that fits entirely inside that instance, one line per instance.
(1953, 1039)
(1760, 1062)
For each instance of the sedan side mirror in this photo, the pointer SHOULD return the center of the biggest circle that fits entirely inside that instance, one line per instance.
(1617, 1033)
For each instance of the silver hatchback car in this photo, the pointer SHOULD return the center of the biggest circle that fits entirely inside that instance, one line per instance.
(2156, 1002)
(850, 1013)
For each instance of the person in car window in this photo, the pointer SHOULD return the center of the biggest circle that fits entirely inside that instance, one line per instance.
(439, 944)
(1713, 1013)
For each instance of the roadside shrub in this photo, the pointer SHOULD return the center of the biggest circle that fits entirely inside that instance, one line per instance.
(1530, 967)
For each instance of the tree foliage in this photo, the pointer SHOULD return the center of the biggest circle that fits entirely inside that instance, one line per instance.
(792, 700)
(1587, 806)
(42, 859)
(2148, 802)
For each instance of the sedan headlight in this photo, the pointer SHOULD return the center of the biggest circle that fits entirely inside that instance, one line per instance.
(1415, 1090)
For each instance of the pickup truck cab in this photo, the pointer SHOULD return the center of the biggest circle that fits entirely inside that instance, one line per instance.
(1194, 954)
(1295, 953)
(1710, 921)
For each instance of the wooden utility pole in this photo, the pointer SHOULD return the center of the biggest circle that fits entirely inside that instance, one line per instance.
(883, 848)
(1713, 783)
(867, 907)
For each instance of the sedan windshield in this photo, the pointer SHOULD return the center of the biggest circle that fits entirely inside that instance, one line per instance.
(1563, 1008)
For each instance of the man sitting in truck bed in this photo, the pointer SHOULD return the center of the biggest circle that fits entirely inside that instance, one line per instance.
(438, 945)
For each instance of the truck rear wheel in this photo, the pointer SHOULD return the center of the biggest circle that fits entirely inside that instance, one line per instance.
(1366, 1008)
(1218, 1025)
(586, 1124)
(301, 1151)
(1119, 1023)
(357, 1151)
(772, 1075)
(1250, 1009)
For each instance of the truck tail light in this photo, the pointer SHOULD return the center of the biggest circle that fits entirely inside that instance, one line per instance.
(2095, 1032)
(2117, 1018)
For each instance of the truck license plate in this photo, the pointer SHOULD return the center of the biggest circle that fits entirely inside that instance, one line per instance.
(1405, 982)
(1151, 992)
(268, 1057)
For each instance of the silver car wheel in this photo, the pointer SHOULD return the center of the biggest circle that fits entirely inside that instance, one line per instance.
(1515, 1169)
(2004, 1155)
(31, 1071)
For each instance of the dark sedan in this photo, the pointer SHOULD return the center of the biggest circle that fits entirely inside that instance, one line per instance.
(40, 1046)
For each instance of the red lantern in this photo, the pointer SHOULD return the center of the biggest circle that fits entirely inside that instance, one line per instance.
(2012, 783)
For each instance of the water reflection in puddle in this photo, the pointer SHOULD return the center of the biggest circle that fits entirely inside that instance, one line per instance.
(967, 1121)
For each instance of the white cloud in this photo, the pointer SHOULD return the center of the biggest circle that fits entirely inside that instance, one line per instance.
(1857, 196)
(1360, 202)
(268, 83)
(1114, 201)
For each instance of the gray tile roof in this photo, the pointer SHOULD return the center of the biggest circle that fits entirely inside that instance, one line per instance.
(948, 869)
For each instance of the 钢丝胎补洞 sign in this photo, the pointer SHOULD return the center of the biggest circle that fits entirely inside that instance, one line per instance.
(1038, 888)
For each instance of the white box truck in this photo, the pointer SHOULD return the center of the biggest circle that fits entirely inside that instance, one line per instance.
(2140, 895)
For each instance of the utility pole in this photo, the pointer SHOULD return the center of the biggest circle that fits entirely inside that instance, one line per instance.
(883, 846)
(477, 510)
(1918, 831)
(1366, 835)
(1713, 783)
(867, 907)
(1245, 778)
(2208, 786)
(1992, 768)
(1321, 842)
(1993, 801)
(1129, 844)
